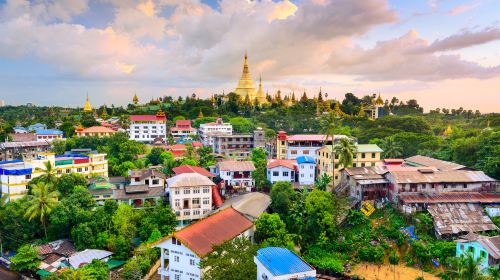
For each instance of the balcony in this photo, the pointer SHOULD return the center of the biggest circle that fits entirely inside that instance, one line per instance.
(163, 271)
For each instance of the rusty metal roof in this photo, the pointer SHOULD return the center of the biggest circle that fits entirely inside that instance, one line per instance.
(459, 218)
(442, 165)
(450, 197)
(490, 244)
(450, 176)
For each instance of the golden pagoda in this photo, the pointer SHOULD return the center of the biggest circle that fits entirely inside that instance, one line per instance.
(87, 107)
(448, 131)
(261, 97)
(135, 99)
(379, 101)
(245, 84)
(160, 113)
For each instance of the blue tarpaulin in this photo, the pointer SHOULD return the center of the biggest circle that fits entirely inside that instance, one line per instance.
(22, 171)
(410, 231)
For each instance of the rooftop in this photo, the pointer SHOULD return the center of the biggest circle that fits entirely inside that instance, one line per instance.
(147, 118)
(97, 129)
(442, 165)
(288, 163)
(26, 144)
(430, 176)
(86, 257)
(188, 180)
(281, 261)
(491, 244)
(232, 165)
(23, 137)
(251, 204)
(214, 230)
(192, 169)
(49, 132)
(305, 159)
(459, 218)
(451, 197)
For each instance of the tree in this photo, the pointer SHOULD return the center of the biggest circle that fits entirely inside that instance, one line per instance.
(242, 125)
(271, 231)
(96, 270)
(155, 155)
(132, 270)
(41, 203)
(58, 146)
(260, 173)
(205, 156)
(323, 181)
(345, 149)
(49, 174)
(67, 182)
(26, 259)
(392, 149)
(328, 126)
(281, 197)
(231, 260)
(68, 129)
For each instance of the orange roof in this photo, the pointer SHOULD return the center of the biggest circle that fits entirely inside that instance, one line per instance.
(288, 163)
(192, 169)
(97, 129)
(222, 226)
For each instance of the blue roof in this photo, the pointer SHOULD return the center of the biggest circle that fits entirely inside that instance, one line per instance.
(305, 159)
(49, 131)
(281, 261)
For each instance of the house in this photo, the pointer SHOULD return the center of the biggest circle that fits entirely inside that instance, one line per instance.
(252, 205)
(207, 131)
(179, 150)
(307, 169)
(15, 175)
(486, 248)
(275, 263)
(366, 155)
(23, 150)
(236, 174)
(192, 169)
(365, 183)
(190, 196)
(454, 219)
(95, 131)
(146, 128)
(20, 130)
(238, 146)
(54, 255)
(182, 128)
(48, 134)
(23, 137)
(86, 256)
(36, 127)
(146, 185)
(410, 203)
(293, 146)
(182, 251)
(282, 170)
(101, 189)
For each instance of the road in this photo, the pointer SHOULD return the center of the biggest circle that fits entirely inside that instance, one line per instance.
(8, 275)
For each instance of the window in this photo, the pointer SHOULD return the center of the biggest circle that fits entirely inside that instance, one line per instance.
(177, 203)
(363, 155)
(465, 186)
(471, 249)
(302, 175)
(196, 190)
(28, 177)
(285, 173)
(196, 201)
(187, 191)
(206, 190)
(276, 173)
(177, 277)
(305, 152)
(196, 212)
(362, 164)
(483, 254)
(192, 262)
(373, 155)
(206, 201)
(177, 191)
(187, 212)
(174, 241)
(79, 169)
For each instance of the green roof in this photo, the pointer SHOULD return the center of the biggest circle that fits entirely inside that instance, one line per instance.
(43, 272)
(369, 148)
(112, 264)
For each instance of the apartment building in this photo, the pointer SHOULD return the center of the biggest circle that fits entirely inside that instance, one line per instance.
(238, 146)
(147, 128)
(23, 150)
(208, 130)
(293, 146)
(182, 129)
(236, 174)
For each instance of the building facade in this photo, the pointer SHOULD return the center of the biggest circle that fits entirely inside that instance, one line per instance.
(282, 170)
(236, 174)
(207, 131)
(147, 128)
(307, 170)
(23, 150)
(182, 129)
(48, 135)
(190, 196)
(238, 146)
(367, 155)
(484, 248)
(293, 146)
(95, 131)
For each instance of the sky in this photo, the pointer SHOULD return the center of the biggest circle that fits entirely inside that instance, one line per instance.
(444, 53)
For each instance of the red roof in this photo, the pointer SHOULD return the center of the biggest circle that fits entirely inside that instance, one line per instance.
(178, 153)
(307, 137)
(197, 144)
(288, 163)
(146, 118)
(183, 123)
(178, 147)
(222, 226)
(192, 169)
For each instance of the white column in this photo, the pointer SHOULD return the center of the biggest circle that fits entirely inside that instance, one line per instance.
(162, 262)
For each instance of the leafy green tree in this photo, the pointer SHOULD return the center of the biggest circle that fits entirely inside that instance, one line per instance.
(58, 146)
(49, 174)
(392, 149)
(97, 270)
(242, 125)
(281, 197)
(25, 259)
(41, 203)
(67, 182)
(82, 236)
(68, 129)
(323, 181)
(132, 270)
(271, 231)
(260, 173)
(205, 156)
(155, 155)
(231, 260)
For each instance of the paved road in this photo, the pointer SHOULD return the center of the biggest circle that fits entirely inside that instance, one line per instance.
(8, 275)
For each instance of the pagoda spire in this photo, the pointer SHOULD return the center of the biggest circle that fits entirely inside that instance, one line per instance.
(245, 84)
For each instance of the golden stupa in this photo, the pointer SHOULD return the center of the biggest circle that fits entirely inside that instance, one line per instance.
(245, 84)
(87, 107)
(379, 101)
(261, 97)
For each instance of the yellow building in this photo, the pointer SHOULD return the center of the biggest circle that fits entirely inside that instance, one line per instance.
(367, 155)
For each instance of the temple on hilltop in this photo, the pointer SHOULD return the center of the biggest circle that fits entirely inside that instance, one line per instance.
(246, 88)
(375, 110)
(87, 107)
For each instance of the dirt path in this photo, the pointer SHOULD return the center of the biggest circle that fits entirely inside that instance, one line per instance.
(386, 272)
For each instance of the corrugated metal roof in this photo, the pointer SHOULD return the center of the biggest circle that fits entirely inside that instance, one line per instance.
(192, 169)
(450, 197)
(442, 165)
(490, 244)
(188, 180)
(86, 257)
(232, 165)
(458, 218)
(450, 176)
(281, 261)
(26, 144)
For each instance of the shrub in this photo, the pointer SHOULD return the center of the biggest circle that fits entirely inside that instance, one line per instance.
(393, 258)
(373, 254)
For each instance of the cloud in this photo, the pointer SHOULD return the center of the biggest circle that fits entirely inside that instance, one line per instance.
(463, 8)
(44, 10)
(463, 40)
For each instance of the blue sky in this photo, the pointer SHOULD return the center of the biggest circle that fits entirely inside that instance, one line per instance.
(443, 53)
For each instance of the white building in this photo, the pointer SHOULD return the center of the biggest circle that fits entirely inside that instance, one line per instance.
(275, 263)
(16, 175)
(282, 170)
(147, 128)
(237, 174)
(182, 129)
(182, 251)
(307, 170)
(208, 130)
(190, 196)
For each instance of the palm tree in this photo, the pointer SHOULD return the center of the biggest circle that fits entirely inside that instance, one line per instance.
(328, 126)
(391, 147)
(494, 273)
(49, 174)
(323, 182)
(41, 202)
(456, 266)
(346, 150)
(472, 268)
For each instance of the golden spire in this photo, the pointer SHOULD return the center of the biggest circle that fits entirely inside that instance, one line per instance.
(245, 84)
(87, 107)
(361, 112)
(160, 113)
(448, 131)
(135, 99)
(379, 101)
(261, 97)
